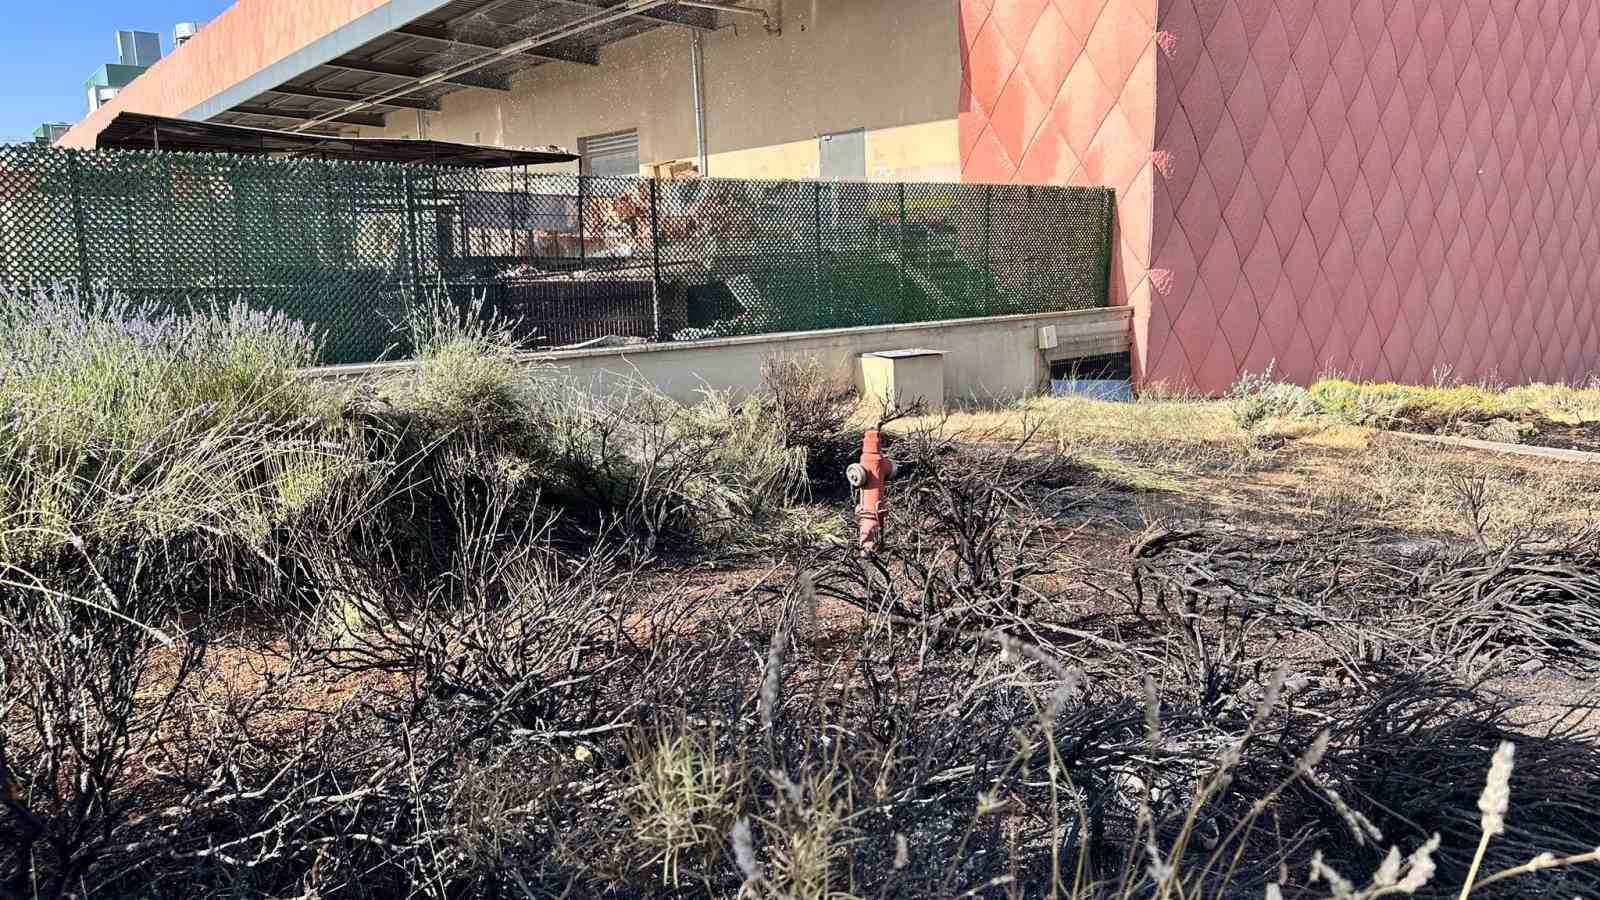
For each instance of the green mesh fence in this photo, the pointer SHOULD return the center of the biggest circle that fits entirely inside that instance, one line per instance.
(348, 247)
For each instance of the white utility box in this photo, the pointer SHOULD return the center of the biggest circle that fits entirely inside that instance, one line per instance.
(903, 377)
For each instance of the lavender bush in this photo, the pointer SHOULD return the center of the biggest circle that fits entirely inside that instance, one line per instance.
(127, 419)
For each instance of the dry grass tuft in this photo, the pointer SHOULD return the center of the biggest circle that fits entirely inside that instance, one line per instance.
(680, 801)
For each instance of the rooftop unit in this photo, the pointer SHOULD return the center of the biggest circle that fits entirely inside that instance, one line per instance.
(49, 132)
(136, 52)
(138, 48)
(109, 80)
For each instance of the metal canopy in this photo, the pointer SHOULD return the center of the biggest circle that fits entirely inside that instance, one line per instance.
(450, 35)
(137, 131)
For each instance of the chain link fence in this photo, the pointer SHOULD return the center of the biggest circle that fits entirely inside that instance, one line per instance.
(351, 247)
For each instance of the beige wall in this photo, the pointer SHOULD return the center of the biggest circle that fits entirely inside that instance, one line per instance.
(889, 66)
(986, 359)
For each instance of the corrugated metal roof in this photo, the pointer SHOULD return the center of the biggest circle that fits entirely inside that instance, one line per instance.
(452, 34)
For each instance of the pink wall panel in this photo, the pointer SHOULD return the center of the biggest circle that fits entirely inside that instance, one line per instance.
(1377, 187)
(1400, 186)
(1064, 92)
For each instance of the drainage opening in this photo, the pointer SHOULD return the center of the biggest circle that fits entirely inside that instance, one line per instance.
(1100, 377)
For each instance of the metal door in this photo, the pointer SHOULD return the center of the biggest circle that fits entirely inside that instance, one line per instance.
(844, 156)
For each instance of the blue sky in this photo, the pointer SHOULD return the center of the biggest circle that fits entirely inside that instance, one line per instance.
(49, 47)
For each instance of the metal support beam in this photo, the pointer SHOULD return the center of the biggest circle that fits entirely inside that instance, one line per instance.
(563, 51)
(309, 115)
(483, 10)
(416, 73)
(452, 74)
(766, 19)
(313, 93)
(700, 20)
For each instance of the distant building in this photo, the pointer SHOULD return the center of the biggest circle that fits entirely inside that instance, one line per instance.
(50, 132)
(136, 52)
(108, 81)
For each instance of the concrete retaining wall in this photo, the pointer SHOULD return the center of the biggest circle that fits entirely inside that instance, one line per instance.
(986, 359)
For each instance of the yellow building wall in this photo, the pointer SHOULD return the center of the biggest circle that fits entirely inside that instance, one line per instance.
(796, 159)
(891, 67)
(914, 152)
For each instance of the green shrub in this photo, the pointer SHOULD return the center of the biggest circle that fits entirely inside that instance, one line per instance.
(1347, 402)
(124, 421)
(1573, 405)
(714, 472)
(1411, 407)
(814, 409)
(681, 801)
(1257, 398)
(97, 369)
(468, 377)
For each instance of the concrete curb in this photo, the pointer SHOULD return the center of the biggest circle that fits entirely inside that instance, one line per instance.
(1085, 330)
(1552, 453)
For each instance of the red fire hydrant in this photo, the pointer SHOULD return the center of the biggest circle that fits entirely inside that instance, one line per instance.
(871, 476)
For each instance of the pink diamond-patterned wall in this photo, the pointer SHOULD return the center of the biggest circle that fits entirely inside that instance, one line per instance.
(1382, 188)
(1064, 92)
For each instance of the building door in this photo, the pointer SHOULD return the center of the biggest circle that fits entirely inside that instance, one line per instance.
(844, 156)
(611, 154)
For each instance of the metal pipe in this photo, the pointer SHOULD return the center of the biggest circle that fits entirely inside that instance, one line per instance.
(697, 61)
(605, 17)
(766, 18)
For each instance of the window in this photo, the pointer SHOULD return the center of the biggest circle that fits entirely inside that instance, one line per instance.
(613, 155)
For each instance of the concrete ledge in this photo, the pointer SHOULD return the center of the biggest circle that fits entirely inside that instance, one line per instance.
(1555, 453)
(986, 358)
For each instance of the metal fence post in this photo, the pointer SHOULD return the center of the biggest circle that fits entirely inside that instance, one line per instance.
(816, 256)
(988, 250)
(217, 179)
(655, 256)
(413, 289)
(130, 212)
(76, 184)
(583, 249)
(1107, 245)
(904, 285)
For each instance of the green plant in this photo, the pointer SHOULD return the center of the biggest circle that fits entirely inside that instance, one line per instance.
(681, 799)
(467, 376)
(1256, 398)
(127, 422)
(1410, 407)
(814, 823)
(814, 408)
(714, 473)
